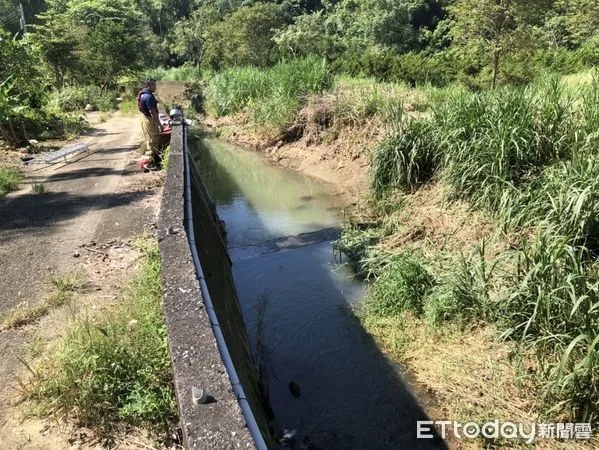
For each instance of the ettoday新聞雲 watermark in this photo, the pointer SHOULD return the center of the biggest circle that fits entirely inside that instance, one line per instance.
(503, 430)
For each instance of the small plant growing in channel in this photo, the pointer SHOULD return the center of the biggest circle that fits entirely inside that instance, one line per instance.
(38, 187)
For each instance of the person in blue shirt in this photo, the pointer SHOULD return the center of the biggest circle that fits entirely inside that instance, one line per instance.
(150, 119)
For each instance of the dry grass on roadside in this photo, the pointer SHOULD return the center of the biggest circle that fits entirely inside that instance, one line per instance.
(63, 289)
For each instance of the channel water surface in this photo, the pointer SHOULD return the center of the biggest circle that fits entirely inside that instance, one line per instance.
(327, 379)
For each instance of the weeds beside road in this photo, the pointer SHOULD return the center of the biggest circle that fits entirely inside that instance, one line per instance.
(9, 180)
(113, 370)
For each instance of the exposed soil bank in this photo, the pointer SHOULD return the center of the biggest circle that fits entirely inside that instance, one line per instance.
(342, 162)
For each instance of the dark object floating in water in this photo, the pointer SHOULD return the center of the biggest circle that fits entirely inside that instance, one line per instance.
(295, 389)
(307, 198)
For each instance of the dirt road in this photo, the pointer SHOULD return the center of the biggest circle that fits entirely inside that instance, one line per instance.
(102, 198)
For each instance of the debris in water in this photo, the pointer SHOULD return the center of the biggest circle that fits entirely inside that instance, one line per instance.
(295, 389)
(288, 437)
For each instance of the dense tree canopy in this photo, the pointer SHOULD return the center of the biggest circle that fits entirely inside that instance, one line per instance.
(98, 41)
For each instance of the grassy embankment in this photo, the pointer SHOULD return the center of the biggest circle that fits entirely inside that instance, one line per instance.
(112, 371)
(526, 159)
(480, 241)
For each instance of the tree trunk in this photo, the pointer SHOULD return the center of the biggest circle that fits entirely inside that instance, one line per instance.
(496, 68)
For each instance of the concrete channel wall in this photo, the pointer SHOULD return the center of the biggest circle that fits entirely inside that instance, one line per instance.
(208, 342)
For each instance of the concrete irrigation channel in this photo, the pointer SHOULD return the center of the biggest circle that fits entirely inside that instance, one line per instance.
(267, 351)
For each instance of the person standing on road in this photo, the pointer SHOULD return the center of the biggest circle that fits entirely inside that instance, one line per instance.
(150, 119)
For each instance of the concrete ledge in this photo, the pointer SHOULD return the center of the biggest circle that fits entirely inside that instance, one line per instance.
(194, 353)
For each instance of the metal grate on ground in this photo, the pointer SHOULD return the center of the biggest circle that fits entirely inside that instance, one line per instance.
(62, 154)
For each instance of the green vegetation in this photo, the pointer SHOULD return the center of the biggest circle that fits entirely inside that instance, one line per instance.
(183, 73)
(525, 157)
(272, 96)
(401, 285)
(114, 369)
(24, 110)
(9, 180)
(38, 188)
(494, 103)
(76, 98)
(478, 43)
(75, 53)
(165, 158)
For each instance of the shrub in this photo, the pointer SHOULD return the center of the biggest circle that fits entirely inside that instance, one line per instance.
(76, 98)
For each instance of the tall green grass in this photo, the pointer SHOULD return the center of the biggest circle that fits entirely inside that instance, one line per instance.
(528, 158)
(183, 73)
(271, 96)
(407, 158)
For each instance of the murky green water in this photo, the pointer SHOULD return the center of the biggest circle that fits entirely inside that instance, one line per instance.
(260, 202)
(296, 304)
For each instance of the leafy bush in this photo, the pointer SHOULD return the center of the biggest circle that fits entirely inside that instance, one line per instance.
(402, 285)
(76, 98)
